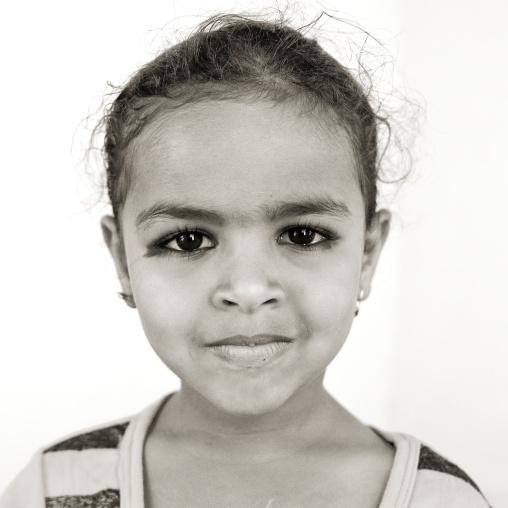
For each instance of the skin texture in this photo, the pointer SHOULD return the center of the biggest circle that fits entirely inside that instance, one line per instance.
(243, 161)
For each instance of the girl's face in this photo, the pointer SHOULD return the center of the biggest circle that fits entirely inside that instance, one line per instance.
(244, 248)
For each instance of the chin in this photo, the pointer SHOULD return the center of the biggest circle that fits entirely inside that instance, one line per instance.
(249, 401)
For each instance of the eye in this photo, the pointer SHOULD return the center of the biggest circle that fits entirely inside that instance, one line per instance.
(189, 241)
(302, 235)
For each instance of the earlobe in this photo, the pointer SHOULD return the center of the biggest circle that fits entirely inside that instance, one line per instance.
(375, 238)
(114, 242)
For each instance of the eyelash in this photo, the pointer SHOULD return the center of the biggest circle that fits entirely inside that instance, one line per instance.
(159, 247)
(326, 242)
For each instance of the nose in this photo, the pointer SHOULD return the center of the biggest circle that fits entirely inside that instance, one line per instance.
(248, 287)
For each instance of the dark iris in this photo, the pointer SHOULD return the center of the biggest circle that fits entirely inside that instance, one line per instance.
(189, 241)
(301, 236)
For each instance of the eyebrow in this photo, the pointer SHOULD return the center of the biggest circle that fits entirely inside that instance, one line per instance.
(322, 206)
(272, 213)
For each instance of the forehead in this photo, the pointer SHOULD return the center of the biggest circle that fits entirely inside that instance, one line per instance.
(239, 156)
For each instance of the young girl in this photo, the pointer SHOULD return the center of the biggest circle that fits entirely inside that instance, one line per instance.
(242, 167)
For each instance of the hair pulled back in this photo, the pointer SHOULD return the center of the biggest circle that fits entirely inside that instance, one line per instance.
(235, 57)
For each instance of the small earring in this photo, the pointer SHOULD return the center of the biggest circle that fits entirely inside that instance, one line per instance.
(128, 299)
(360, 298)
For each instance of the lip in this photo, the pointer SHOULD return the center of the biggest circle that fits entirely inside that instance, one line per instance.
(253, 351)
(253, 340)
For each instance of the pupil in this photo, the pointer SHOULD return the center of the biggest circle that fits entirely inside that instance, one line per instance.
(189, 241)
(302, 236)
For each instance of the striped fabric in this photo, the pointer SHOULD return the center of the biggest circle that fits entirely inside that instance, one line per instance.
(109, 498)
(440, 483)
(431, 461)
(82, 471)
(103, 468)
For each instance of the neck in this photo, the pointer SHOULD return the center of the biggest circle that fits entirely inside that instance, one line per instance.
(310, 413)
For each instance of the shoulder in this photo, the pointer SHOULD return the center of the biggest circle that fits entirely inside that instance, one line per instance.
(78, 470)
(422, 478)
(440, 482)
(107, 436)
(86, 468)
(86, 464)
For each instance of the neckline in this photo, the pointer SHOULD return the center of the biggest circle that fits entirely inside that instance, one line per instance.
(130, 467)
(397, 492)
(399, 487)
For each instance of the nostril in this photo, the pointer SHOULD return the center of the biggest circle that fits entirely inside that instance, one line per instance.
(247, 298)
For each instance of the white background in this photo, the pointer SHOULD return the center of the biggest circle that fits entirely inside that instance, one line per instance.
(428, 353)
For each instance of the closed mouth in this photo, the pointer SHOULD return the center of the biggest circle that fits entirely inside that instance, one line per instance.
(245, 340)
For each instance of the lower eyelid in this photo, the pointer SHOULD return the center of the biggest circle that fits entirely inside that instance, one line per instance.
(322, 244)
(168, 252)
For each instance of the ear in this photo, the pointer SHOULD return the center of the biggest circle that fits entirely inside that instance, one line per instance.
(375, 238)
(115, 245)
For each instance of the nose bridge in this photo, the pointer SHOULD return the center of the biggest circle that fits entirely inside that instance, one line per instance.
(249, 279)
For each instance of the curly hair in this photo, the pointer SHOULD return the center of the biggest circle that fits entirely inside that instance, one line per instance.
(232, 57)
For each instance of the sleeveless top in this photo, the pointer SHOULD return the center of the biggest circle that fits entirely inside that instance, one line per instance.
(103, 468)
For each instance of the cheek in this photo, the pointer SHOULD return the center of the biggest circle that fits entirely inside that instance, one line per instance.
(168, 305)
(328, 313)
(326, 308)
(327, 294)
